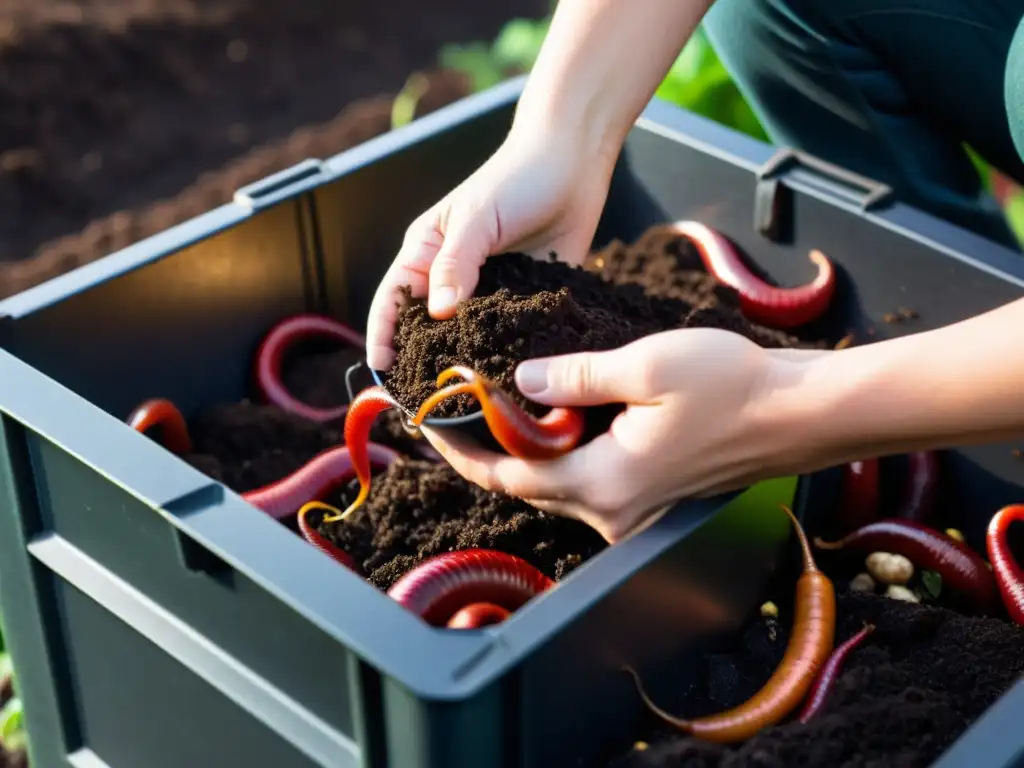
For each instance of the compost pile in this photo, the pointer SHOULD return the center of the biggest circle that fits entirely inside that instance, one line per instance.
(125, 117)
(925, 675)
(522, 308)
(907, 693)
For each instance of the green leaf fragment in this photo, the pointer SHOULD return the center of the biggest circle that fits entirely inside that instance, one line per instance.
(403, 108)
(932, 583)
(12, 723)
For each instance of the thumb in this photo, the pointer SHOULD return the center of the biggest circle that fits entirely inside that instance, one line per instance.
(456, 268)
(586, 378)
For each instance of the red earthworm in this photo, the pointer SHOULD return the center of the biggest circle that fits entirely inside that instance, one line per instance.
(830, 673)
(809, 646)
(165, 415)
(438, 588)
(476, 615)
(761, 302)
(859, 503)
(1009, 574)
(289, 495)
(310, 534)
(276, 344)
(922, 486)
(961, 569)
(322, 474)
(314, 480)
(362, 412)
(523, 436)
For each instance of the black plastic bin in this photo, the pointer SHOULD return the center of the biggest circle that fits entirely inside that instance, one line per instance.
(157, 620)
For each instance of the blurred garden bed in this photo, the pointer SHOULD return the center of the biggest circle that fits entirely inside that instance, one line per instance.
(122, 117)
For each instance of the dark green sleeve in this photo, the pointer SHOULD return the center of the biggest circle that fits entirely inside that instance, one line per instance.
(1014, 88)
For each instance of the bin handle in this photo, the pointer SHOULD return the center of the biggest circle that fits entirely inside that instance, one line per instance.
(769, 202)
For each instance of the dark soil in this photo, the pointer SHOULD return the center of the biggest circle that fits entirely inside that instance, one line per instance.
(419, 509)
(248, 445)
(525, 308)
(123, 117)
(904, 696)
(926, 674)
(13, 759)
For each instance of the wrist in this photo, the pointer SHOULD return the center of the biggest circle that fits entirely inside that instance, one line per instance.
(953, 386)
(568, 120)
(818, 409)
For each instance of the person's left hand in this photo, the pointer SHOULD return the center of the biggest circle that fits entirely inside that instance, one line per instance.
(693, 426)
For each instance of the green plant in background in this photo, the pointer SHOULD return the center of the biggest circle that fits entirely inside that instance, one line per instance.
(403, 109)
(12, 726)
(512, 53)
(697, 80)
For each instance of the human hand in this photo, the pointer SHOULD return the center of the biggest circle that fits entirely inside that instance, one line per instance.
(696, 423)
(540, 192)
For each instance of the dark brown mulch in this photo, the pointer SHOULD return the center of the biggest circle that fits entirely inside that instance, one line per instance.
(112, 106)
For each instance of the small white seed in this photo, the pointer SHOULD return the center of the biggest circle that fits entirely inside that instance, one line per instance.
(770, 610)
(896, 592)
(862, 582)
(889, 568)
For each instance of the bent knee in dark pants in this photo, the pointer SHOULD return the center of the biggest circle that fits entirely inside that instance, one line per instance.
(891, 89)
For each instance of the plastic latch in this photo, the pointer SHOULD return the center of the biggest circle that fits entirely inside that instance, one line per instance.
(195, 558)
(281, 185)
(773, 200)
(6, 330)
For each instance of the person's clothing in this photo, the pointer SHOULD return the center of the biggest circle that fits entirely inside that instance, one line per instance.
(891, 89)
(1014, 88)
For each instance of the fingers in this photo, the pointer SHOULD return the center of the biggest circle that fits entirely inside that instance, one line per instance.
(411, 268)
(587, 378)
(600, 476)
(455, 271)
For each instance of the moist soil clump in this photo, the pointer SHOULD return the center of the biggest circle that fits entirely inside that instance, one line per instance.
(419, 509)
(524, 308)
(905, 695)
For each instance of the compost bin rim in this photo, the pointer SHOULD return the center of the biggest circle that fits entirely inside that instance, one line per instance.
(659, 117)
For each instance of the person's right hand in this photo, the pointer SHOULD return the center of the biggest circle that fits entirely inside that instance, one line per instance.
(538, 193)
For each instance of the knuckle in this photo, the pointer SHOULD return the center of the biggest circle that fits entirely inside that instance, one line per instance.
(423, 230)
(576, 375)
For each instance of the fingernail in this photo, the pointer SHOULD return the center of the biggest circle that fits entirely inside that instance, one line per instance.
(532, 377)
(441, 299)
(379, 357)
